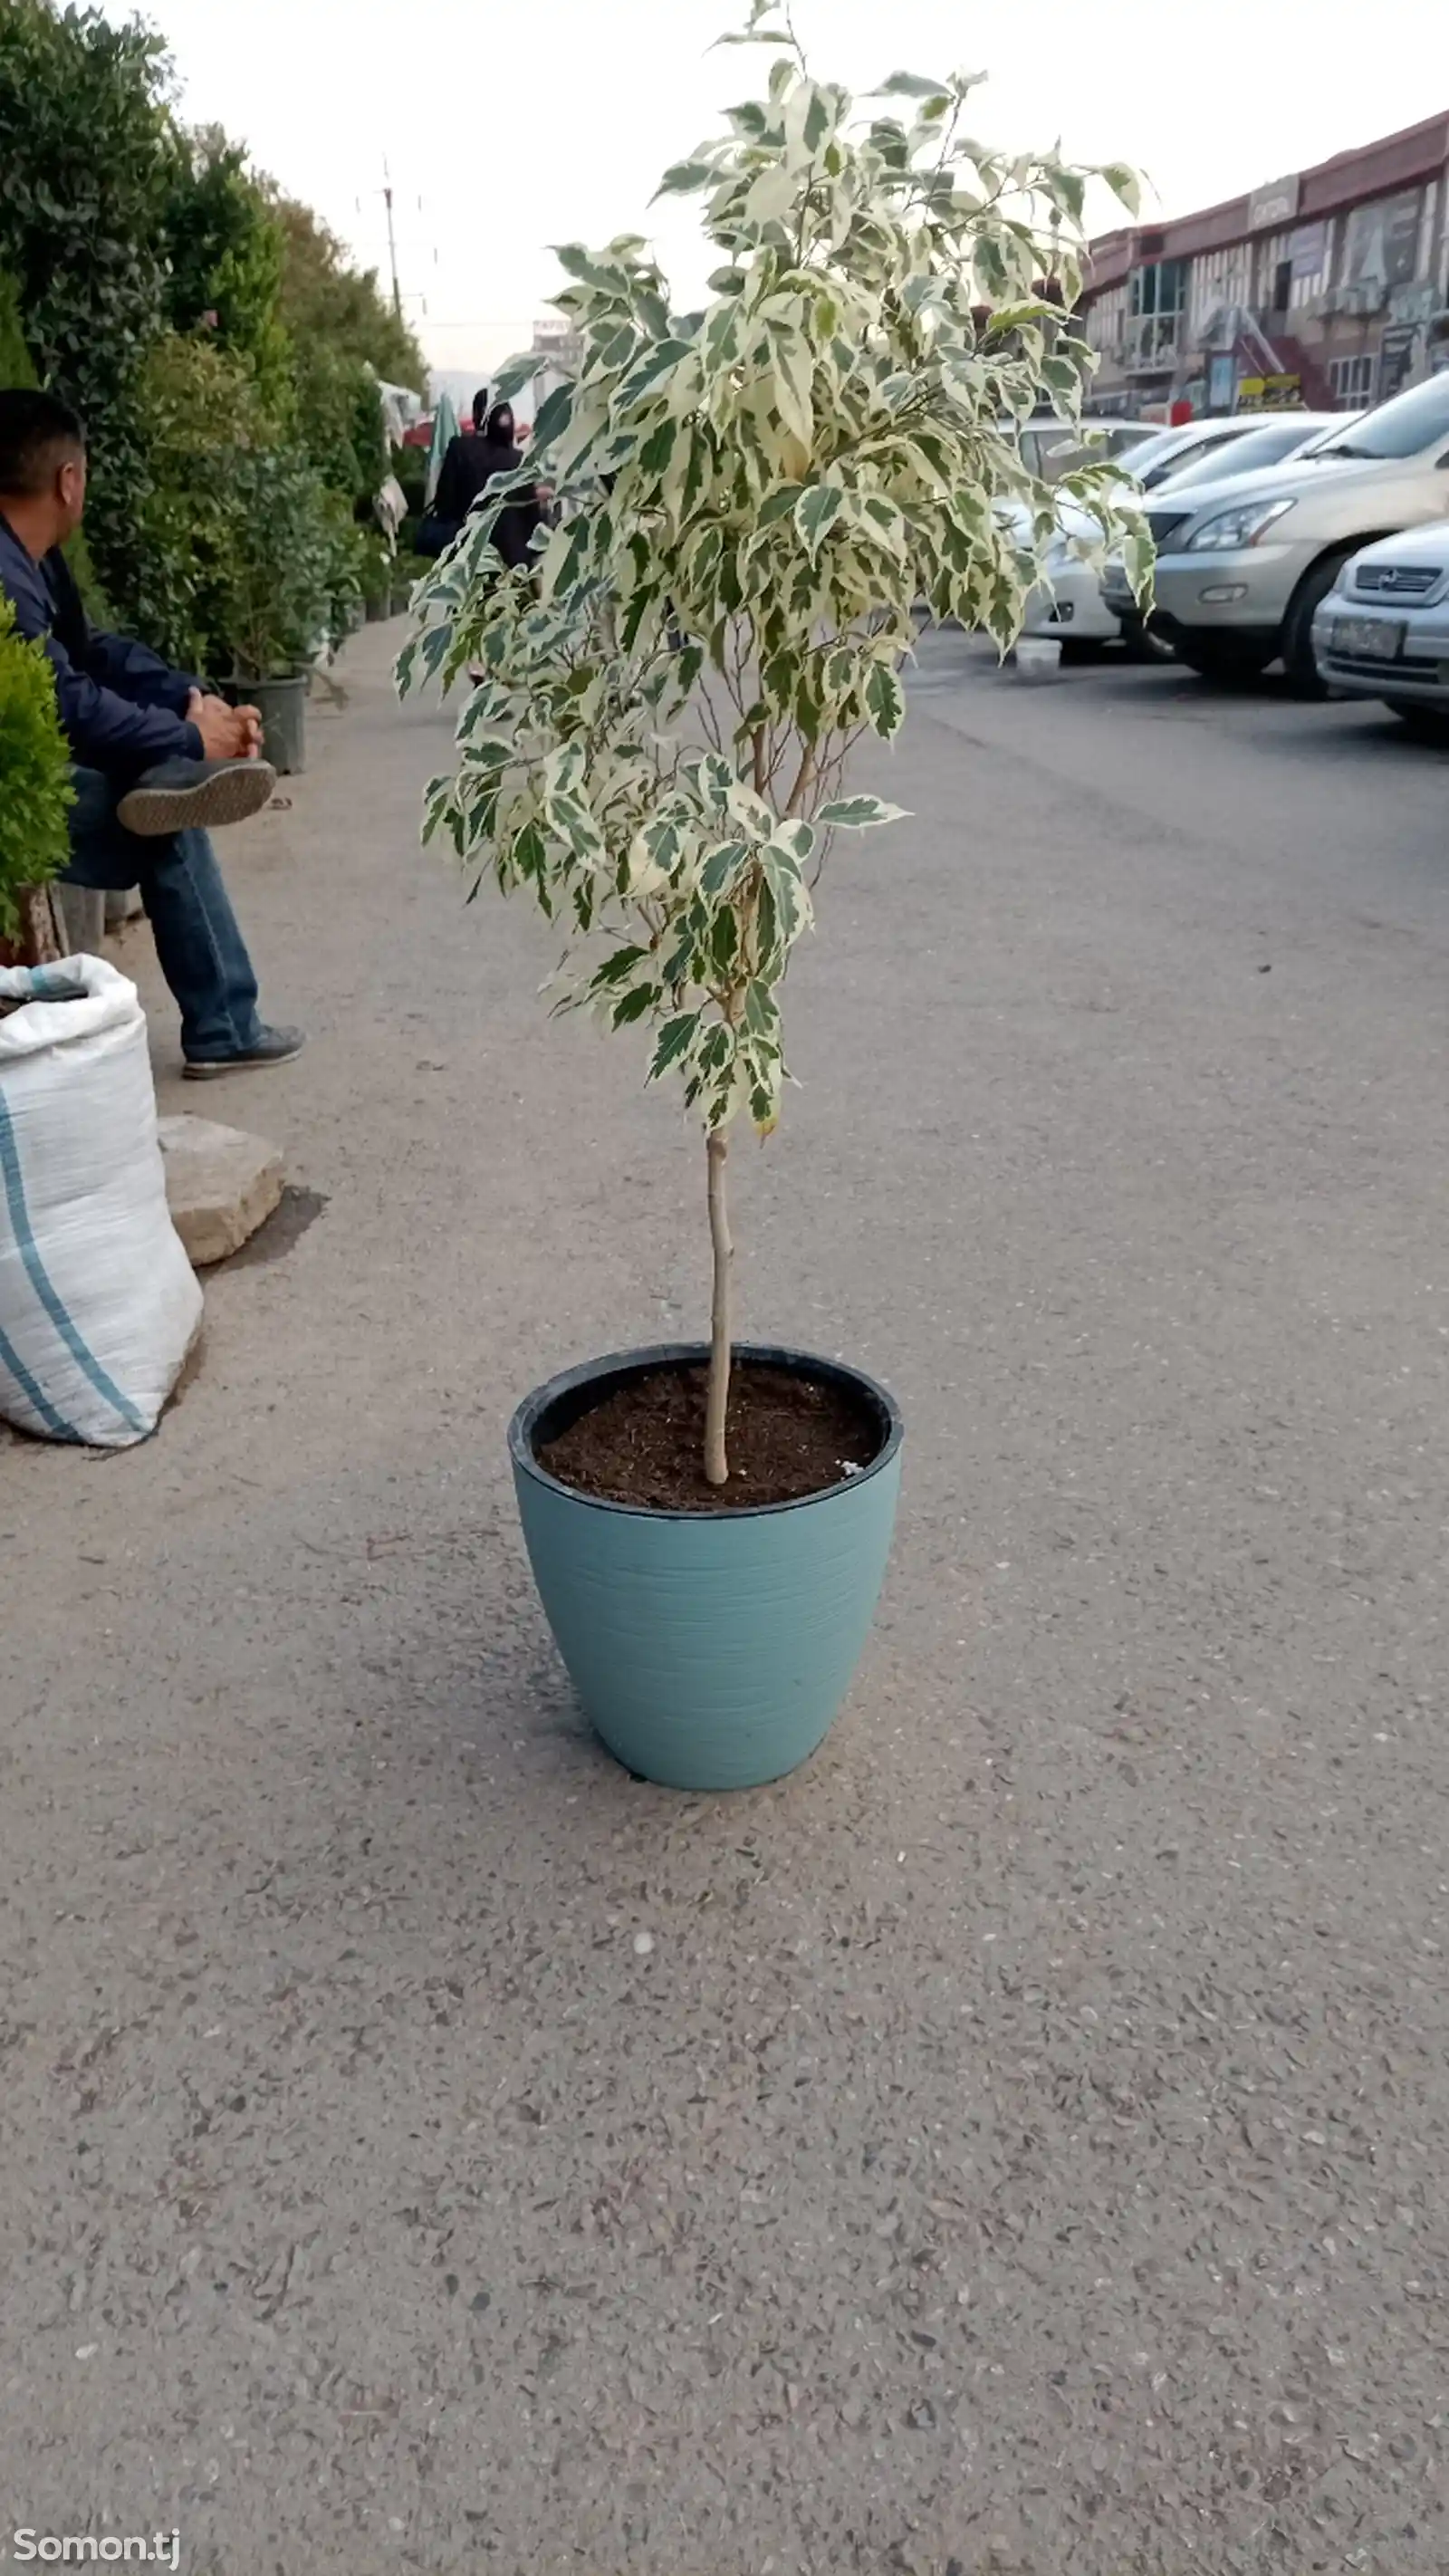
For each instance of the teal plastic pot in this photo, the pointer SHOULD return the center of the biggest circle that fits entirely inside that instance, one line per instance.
(710, 1649)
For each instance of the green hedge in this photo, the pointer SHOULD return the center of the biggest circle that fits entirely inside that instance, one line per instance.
(35, 765)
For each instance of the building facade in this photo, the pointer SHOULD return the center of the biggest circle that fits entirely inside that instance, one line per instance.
(1328, 288)
(558, 344)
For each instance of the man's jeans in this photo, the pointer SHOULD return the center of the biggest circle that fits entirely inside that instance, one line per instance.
(201, 951)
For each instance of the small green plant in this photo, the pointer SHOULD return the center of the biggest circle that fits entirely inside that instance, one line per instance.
(289, 553)
(756, 503)
(35, 785)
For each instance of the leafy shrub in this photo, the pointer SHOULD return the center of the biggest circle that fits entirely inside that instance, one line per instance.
(202, 408)
(35, 766)
(410, 467)
(84, 154)
(292, 555)
(18, 368)
(224, 250)
(339, 420)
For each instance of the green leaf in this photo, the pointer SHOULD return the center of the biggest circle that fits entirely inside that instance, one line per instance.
(554, 415)
(724, 941)
(722, 867)
(684, 178)
(779, 503)
(816, 512)
(658, 448)
(858, 813)
(603, 275)
(1125, 184)
(634, 1005)
(885, 700)
(656, 362)
(817, 121)
(675, 1039)
(911, 85)
(517, 372)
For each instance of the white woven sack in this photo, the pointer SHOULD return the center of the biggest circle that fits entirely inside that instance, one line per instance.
(98, 1302)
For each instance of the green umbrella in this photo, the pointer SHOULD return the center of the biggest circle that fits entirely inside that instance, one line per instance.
(445, 429)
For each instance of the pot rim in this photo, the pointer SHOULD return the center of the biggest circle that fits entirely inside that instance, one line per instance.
(657, 1355)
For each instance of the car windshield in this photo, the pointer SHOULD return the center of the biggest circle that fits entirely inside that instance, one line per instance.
(1164, 443)
(1399, 428)
(1246, 455)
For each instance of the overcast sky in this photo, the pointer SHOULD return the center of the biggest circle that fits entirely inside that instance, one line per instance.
(519, 125)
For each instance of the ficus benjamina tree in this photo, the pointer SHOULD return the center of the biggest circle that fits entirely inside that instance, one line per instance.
(755, 506)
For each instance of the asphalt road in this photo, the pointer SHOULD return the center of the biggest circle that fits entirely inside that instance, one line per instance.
(1022, 2151)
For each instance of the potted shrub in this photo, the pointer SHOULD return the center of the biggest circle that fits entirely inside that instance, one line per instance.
(278, 591)
(754, 503)
(376, 572)
(35, 769)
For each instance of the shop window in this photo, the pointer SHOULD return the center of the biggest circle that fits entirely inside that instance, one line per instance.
(1351, 382)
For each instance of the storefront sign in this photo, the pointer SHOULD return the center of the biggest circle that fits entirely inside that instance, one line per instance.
(1398, 352)
(1270, 393)
(1308, 250)
(1273, 204)
(1383, 242)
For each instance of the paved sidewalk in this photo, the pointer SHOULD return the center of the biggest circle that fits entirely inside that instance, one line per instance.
(1022, 2152)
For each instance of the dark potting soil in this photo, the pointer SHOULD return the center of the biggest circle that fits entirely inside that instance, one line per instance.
(787, 1437)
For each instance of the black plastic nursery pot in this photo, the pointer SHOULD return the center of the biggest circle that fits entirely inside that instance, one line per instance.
(282, 706)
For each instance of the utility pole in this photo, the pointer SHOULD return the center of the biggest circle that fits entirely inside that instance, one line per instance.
(391, 241)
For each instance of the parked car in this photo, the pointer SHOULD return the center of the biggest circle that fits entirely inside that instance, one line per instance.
(1243, 564)
(1070, 603)
(1052, 447)
(1383, 629)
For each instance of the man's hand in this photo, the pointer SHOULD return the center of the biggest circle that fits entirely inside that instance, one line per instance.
(227, 733)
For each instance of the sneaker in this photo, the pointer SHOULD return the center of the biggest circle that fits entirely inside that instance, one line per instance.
(196, 796)
(269, 1046)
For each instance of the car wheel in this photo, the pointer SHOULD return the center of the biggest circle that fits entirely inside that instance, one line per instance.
(1299, 659)
(1426, 724)
(1224, 657)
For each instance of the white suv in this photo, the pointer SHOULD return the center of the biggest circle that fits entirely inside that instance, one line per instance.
(1243, 564)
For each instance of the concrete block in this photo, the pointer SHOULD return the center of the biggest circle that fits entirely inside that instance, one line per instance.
(121, 908)
(84, 916)
(220, 1184)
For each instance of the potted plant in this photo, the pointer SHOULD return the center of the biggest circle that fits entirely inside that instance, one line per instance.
(754, 502)
(35, 768)
(278, 591)
(375, 565)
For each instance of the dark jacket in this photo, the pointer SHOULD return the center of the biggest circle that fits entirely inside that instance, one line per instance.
(469, 464)
(466, 466)
(121, 706)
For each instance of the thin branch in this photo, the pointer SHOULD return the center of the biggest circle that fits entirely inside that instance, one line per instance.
(716, 1456)
(804, 781)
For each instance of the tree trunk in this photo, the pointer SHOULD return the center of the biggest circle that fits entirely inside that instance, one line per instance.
(716, 1459)
(39, 940)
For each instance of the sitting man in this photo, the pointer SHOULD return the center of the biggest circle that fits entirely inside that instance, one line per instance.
(157, 759)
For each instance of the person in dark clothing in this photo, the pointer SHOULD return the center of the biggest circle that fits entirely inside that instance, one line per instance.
(156, 757)
(513, 530)
(462, 474)
(468, 468)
